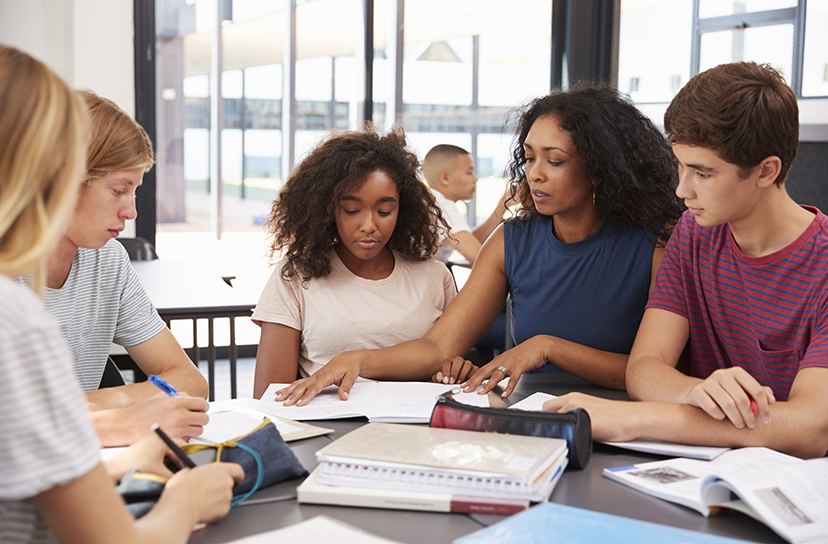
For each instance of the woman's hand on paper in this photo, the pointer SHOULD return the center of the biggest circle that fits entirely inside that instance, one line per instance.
(511, 364)
(734, 394)
(208, 488)
(454, 371)
(342, 370)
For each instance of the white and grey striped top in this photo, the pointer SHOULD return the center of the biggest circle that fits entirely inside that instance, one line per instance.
(101, 302)
(47, 438)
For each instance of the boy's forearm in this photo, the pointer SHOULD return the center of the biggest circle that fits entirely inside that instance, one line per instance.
(185, 378)
(790, 430)
(651, 379)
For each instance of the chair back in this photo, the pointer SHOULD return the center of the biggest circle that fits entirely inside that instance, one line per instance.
(138, 249)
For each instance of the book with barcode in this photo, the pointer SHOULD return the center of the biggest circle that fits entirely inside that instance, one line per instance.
(786, 493)
(452, 461)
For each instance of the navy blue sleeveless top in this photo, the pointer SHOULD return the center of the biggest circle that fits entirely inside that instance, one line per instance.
(591, 292)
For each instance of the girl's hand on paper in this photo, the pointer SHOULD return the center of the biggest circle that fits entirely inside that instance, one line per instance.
(526, 356)
(342, 370)
(454, 371)
(734, 394)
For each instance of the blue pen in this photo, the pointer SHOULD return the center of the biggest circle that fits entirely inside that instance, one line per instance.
(159, 382)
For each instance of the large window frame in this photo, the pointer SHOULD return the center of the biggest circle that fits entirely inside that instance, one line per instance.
(792, 15)
(584, 37)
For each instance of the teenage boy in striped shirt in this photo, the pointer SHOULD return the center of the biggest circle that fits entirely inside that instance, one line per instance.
(743, 282)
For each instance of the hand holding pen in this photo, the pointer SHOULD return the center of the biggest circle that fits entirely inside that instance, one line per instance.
(183, 459)
(181, 416)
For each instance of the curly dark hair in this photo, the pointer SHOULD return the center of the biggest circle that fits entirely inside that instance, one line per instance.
(303, 217)
(627, 159)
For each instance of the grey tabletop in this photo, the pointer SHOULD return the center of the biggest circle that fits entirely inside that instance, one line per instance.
(183, 286)
(585, 488)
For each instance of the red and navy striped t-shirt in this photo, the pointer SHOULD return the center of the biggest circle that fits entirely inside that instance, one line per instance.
(766, 314)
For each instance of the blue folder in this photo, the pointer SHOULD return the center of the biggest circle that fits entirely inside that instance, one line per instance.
(561, 524)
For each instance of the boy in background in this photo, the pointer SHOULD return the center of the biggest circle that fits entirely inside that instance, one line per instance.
(449, 171)
(744, 280)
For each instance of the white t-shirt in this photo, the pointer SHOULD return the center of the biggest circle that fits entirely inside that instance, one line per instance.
(456, 222)
(342, 312)
(47, 438)
(101, 302)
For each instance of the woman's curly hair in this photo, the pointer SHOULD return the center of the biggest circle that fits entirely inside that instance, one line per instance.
(628, 161)
(302, 221)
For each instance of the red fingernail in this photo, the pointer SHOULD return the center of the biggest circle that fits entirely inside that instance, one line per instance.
(754, 407)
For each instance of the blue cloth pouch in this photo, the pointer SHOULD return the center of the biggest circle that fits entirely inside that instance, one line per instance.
(262, 453)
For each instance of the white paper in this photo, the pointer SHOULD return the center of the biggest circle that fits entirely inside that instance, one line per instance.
(232, 420)
(398, 402)
(534, 402)
(671, 449)
(325, 405)
(109, 453)
(318, 530)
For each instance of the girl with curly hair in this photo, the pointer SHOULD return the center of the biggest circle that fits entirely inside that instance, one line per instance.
(596, 181)
(357, 229)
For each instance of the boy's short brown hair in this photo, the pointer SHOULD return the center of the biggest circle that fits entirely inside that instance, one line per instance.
(744, 111)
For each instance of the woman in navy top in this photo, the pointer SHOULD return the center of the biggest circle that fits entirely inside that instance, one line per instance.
(596, 182)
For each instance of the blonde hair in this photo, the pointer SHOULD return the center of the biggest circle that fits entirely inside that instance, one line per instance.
(118, 142)
(43, 134)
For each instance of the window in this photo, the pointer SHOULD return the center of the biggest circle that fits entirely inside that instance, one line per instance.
(656, 35)
(655, 42)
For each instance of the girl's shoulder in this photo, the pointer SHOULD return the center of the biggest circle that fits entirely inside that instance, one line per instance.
(424, 265)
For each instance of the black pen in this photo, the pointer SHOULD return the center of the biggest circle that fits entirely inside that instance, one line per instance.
(182, 457)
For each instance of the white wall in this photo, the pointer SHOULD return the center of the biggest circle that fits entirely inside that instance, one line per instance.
(87, 42)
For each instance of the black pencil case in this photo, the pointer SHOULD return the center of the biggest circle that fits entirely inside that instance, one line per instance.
(574, 426)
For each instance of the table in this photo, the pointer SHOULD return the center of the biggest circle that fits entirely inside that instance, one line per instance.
(187, 290)
(586, 488)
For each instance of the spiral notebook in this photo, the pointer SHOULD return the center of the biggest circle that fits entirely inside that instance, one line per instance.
(443, 460)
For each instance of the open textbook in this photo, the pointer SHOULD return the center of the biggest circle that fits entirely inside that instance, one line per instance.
(786, 493)
(534, 402)
(388, 402)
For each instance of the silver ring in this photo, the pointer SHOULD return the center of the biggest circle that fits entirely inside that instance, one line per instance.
(502, 369)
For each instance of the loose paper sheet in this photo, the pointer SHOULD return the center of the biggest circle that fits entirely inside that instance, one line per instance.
(390, 402)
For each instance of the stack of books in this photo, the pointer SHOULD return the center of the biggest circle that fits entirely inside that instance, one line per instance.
(384, 465)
